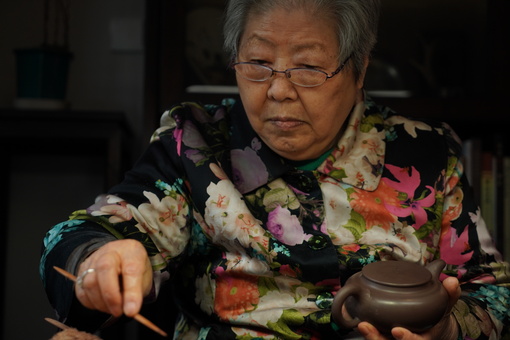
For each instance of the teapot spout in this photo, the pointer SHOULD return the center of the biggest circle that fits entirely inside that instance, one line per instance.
(435, 267)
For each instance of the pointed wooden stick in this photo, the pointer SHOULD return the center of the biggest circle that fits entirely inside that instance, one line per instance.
(57, 323)
(141, 319)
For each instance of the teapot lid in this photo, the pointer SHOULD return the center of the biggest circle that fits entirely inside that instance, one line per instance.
(397, 273)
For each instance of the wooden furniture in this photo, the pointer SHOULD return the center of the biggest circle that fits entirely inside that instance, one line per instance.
(65, 131)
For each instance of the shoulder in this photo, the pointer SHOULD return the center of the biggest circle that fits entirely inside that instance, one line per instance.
(197, 112)
(404, 129)
(193, 115)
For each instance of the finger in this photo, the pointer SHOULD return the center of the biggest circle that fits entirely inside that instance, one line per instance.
(452, 286)
(134, 273)
(400, 333)
(110, 294)
(100, 289)
(88, 293)
(78, 286)
(369, 332)
(82, 296)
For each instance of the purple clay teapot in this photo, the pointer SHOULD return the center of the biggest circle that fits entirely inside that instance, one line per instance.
(388, 294)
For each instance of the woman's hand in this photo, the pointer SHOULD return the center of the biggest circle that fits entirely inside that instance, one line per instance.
(446, 328)
(121, 278)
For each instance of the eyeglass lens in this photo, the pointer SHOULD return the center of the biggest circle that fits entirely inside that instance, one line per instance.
(298, 76)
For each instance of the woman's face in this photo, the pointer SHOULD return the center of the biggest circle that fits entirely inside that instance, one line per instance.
(298, 123)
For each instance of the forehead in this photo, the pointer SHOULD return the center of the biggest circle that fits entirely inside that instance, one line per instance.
(296, 30)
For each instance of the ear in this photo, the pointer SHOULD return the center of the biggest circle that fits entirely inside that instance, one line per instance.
(363, 72)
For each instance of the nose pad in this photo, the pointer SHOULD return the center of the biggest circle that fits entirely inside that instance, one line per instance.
(281, 88)
(286, 74)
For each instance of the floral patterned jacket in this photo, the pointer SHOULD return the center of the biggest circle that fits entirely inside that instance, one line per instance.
(257, 245)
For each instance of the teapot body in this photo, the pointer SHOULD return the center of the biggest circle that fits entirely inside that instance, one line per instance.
(416, 302)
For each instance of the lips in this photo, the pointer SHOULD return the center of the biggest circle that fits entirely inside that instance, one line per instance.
(286, 123)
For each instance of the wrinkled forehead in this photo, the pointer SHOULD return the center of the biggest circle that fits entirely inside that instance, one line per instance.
(255, 40)
(261, 28)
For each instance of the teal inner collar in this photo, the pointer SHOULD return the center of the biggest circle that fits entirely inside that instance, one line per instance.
(309, 165)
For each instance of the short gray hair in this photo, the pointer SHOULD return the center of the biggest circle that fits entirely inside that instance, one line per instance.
(357, 22)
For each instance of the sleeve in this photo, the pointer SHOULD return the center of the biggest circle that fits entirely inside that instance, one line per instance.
(150, 205)
(466, 246)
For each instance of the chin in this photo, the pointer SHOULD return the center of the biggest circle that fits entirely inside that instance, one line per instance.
(295, 155)
(293, 149)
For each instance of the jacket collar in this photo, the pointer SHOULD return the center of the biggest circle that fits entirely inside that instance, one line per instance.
(357, 160)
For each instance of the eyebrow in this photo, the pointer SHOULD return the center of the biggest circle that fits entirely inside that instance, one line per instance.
(297, 48)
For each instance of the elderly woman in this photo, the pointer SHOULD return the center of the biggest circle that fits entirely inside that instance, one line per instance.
(257, 211)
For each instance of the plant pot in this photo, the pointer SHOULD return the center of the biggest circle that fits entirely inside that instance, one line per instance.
(42, 73)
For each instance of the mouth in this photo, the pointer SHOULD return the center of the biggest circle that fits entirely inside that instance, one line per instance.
(285, 123)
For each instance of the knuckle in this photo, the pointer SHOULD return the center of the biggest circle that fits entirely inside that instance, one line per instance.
(132, 268)
(105, 262)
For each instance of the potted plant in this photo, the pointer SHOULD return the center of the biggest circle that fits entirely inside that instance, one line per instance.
(43, 71)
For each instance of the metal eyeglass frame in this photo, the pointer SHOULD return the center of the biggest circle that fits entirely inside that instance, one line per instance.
(288, 71)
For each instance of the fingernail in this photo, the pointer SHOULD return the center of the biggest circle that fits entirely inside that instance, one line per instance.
(364, 329)
(130, 308)
(398, 333)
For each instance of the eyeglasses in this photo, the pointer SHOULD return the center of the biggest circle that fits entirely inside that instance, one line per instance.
(305, 77)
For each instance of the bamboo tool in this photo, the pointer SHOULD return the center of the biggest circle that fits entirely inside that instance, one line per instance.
(141, 319)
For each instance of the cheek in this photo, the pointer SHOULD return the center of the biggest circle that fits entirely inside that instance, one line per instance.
(328, 122)
(330, 112)
(253, 98)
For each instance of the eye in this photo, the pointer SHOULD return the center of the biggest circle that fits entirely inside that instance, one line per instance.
(308, 66)
(259, 61)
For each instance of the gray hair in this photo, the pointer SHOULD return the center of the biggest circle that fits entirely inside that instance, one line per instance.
(357, 22)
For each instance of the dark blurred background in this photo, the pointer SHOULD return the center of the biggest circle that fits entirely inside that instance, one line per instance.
(133, 58)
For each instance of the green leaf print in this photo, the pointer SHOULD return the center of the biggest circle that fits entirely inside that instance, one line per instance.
(356, 225)
(101, 220)
(279, 197)
(320, 317)
(424, 231)
(292, 317)
(452, 165)
(369, 122)
(266, 284)
(281, 326)
(338, 174)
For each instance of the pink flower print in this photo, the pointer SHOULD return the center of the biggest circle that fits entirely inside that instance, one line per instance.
(114, 206)
(408, 182)
(256, 144)
(249, 172)
(455, 249)
(178, 138)
(194, 155)
(285, 227)
(191, 137)
(202, 116)
(287, 270)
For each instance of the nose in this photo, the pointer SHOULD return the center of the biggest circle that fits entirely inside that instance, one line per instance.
(280, 87)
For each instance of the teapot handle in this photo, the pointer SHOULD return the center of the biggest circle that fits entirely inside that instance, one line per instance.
(339, 300)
